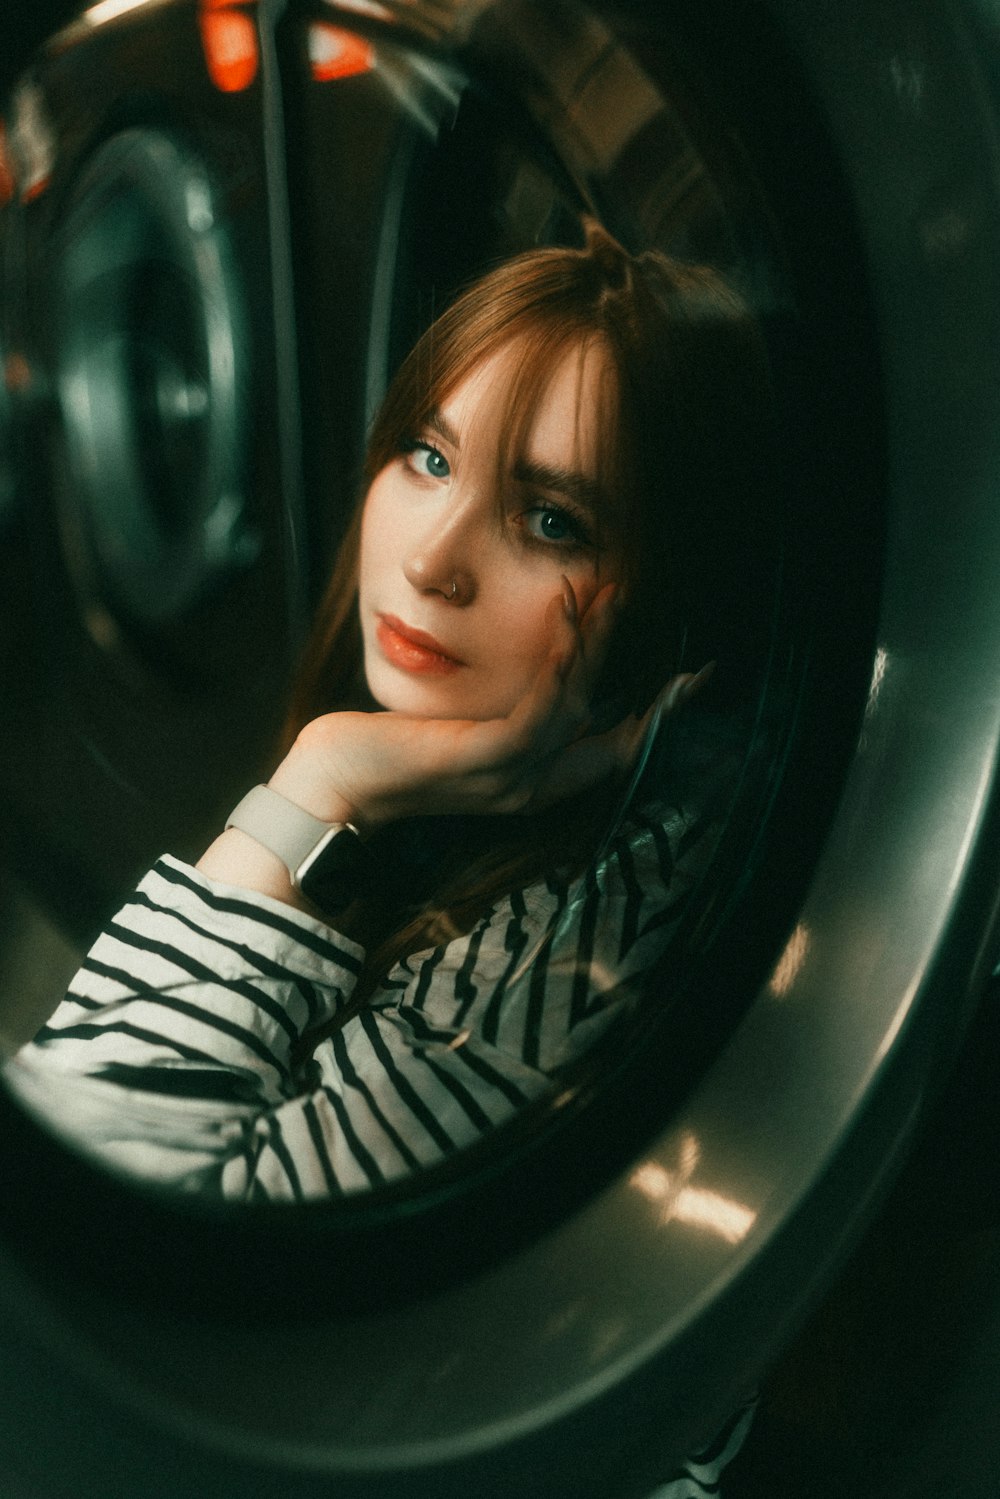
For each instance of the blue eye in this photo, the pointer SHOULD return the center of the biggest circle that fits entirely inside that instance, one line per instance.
(551, 523)
(426, 460)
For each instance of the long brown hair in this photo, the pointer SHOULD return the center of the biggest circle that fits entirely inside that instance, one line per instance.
(686, 419)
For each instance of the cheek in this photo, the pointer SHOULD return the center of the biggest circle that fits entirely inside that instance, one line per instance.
(376, 537)
(523, 622)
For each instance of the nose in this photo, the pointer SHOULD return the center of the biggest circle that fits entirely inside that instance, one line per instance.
(446, 558)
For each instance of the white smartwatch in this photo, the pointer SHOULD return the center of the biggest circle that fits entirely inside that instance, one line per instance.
(327, 861)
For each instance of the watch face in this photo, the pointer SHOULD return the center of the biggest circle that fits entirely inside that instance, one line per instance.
(335, 872)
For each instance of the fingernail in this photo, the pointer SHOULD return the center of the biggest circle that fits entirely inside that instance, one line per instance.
(691, 686)
(569, 600)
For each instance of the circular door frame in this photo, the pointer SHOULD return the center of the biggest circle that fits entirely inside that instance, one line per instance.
(582, 1349)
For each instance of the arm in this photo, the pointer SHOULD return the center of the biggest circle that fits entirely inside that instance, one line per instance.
(171, 1057)
(196, 997)
(181, 1026)
(460, 1037)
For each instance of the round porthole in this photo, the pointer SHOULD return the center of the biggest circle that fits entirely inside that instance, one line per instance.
(572, 1312)
(152, 374)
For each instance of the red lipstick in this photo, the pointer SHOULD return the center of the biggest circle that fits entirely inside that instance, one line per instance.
(413, 650)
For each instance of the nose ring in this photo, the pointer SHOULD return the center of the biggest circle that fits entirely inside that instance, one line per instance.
(454, 589)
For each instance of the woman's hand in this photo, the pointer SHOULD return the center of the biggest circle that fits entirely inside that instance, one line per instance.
(371, 768)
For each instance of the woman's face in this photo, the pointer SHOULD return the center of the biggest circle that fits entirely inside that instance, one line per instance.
(460, 559)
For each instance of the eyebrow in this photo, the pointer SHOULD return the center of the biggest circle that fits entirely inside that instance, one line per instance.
(443, 427)
(575, 486)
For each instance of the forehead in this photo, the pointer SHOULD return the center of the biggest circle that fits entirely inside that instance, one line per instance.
(551, 406)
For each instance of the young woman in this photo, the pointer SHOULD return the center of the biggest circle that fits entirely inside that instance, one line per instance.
(550, 487)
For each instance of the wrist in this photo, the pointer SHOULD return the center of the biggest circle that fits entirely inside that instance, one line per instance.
(297, 780)
(237, 857)
(234, 858)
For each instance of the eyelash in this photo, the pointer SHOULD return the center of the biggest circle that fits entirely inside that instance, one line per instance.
(413, 445)
(580, 538)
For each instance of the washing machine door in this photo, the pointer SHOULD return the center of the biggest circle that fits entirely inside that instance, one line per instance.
(576, 1304)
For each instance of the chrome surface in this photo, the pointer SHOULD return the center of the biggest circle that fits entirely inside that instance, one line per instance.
(152, 374)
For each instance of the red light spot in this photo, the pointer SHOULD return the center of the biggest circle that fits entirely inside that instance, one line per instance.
(229, 40)
(334, 53)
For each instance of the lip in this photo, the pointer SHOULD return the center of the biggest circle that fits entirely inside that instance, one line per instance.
(413, 650)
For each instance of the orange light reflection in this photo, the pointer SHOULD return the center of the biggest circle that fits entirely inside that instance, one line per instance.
(229, 41)
(335, 53)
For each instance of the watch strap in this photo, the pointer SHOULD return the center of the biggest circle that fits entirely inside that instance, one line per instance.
(286, 829)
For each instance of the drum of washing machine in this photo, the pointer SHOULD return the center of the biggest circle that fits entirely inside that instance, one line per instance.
(574, 1306)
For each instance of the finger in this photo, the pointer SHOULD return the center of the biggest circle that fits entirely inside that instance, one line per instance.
(563, 619)
(572, 708)
(571, 607)
(596, 629)
(599, 619)
(536, 724)
(586, 762)
(680, 689)
(593, 632)
(697, 682)
(556, 708)
(571, 646)
(602, 607)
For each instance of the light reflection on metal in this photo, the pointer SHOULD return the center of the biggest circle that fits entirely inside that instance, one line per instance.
(879, 668)
(371, 8)
(335, 53)
(198, 207)
(676, 1200)
(229, 42)
(32, 141)
(433, 19)
(427, 88)
(790, 963)
(112, 10)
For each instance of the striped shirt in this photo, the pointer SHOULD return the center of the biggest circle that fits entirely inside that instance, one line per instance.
(174, 1051)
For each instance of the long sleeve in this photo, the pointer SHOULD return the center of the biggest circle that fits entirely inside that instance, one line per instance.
(172, 1054)
(178, 1031)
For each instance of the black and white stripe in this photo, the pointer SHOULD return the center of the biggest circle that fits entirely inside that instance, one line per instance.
(190, 1007)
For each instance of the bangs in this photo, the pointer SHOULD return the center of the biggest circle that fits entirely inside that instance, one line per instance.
(598, 486)
(539, 346)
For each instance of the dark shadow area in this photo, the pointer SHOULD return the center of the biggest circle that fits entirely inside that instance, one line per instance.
(891, 1387)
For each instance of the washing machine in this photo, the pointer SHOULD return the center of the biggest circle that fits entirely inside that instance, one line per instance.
(222, 226)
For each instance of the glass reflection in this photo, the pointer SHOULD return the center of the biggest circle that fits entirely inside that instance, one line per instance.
(508, 764)
(442, 899)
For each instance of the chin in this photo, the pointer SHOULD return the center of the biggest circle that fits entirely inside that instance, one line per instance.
(422, 697)
(414, 696)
